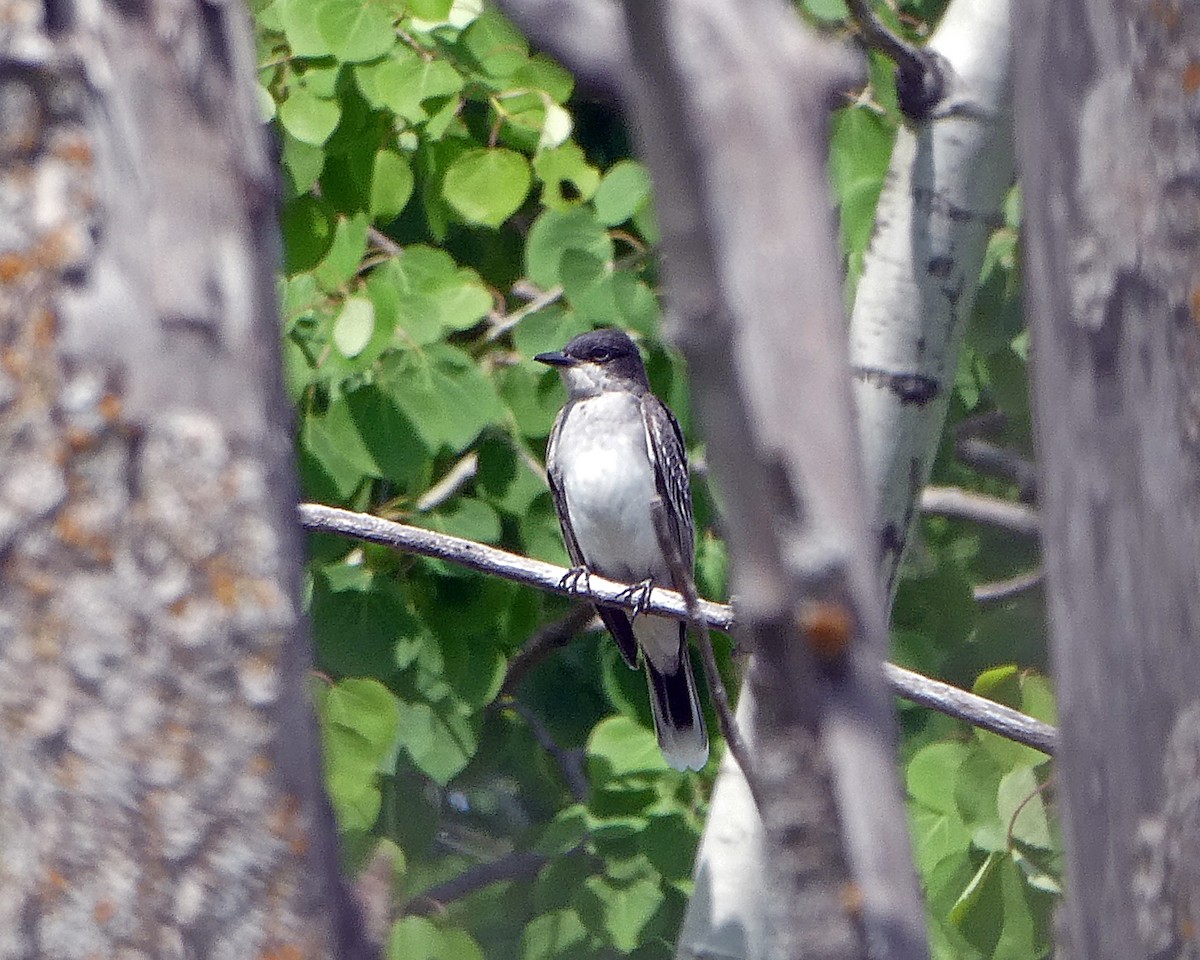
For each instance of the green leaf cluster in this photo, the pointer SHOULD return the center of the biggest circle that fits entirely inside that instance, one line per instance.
(985, 837)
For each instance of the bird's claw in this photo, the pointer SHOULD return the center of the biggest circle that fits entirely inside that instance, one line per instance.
(573, 578)
(638, 595)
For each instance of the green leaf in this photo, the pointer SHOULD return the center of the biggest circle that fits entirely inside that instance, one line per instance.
(345, 254)
(558, 232)
(465, 517)
(619, 747)
(548, 329)
(531, 398)
(438, 737)
(434, 10)
(1022, 810)
(487, 186)
(625, 910)
(495, 44)
(861, 146)
(564, 833)
(368, 708)
(669, 843)
(363, 624)
(309, 118)
(553, 935)
(1005, 685)
(300, 28)
(930, 772)
(624, 190)
(974, 788)
(405, 81)
(354, 326)
(391, 185)
(308, 230)
(355, 29)
(358, 729)
(827, 11)
(444, 394)
(936, 836)
(302, 164)
(335, 445)
(542, 73)
(418, 938)
(388, 437)
(565, 164)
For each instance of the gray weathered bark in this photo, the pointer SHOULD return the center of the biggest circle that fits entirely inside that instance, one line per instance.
(725, 98)
(1109, 153)
(160, 785)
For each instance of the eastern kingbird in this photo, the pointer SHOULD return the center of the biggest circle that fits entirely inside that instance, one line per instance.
(614, 449)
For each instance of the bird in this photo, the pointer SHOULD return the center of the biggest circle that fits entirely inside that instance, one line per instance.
(614, 452)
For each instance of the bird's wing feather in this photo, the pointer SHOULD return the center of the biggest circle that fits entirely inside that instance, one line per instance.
(613, 618)
(553, 475)
(664, 440)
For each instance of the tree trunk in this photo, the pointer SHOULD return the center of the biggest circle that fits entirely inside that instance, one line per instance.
(1108, 149)
(161, 792)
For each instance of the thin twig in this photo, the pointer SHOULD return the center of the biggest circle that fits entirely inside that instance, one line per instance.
(518, 865)
(683, 579)
(568, 760)
(999, 590)
(997, 461)
(384, 242)
(962, 504)
(463, 471)
(541, 644)
(503, 324)
(947, 699)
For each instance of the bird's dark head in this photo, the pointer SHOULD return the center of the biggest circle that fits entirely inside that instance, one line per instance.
(598, 361)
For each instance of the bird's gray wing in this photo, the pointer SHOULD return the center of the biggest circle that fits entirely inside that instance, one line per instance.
(613, 617)
(554, 476)
(664, 440)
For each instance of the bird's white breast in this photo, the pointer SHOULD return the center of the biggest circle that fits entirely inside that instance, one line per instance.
(609, 486)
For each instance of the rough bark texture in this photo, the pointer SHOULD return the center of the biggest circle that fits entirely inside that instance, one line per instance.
(160, 789)
(730, 106)
(1109, 149)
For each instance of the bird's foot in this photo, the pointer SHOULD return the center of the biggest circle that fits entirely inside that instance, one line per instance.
(576, 580)
(638, 595)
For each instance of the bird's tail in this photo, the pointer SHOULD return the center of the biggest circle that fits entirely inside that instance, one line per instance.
(678, 720)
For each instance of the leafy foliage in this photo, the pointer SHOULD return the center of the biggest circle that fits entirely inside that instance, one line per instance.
(451, 208)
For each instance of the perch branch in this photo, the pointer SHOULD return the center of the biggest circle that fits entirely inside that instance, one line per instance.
(943, 697)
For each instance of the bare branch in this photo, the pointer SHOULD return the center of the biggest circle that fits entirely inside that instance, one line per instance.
(515, 866)
(504, 324)
(1000, 590)
(960, 504)
(975, 710)
(462, 472)
(569, 761)
(997, 461)
(943, 697)
(541, 644)
(511, 566)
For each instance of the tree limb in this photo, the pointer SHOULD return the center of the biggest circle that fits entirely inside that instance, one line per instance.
(943, 697)
(960, 504)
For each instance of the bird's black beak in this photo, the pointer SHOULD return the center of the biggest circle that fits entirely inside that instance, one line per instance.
(556, 358)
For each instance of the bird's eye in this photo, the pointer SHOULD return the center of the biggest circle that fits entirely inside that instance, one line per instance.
(601, 356)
